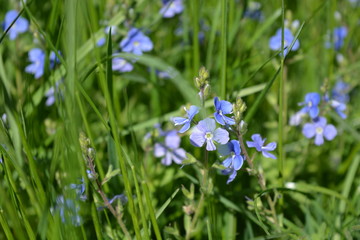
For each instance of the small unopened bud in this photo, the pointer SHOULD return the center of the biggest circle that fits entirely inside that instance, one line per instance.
(203, 73)
(243, 127)
(91, 153)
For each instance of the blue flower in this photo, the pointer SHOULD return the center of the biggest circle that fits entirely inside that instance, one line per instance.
(170, 151)
(186, 121)
(20, 26)
(275, 41)
(339, 35)
(340, 92)
(232, 174)
(311, 103)
(205, 132)
(121, 65)
(258, 143)
(171, 8)
(253, 11)
(319, 129)
(37, 59)
(223, 107)
(136, 42)
(102, 40)
(233, 151)
(80, 189)
(295, 120)
(69, 211)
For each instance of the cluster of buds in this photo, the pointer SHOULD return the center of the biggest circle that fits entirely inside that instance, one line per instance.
(239, 108)
(202, 83)
(89, 155)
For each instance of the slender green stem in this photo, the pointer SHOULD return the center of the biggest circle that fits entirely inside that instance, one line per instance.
(281, 103)
(195, 22)
(151, 210)
(224, 4)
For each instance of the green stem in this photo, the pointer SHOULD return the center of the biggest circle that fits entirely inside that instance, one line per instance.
(195, 22)
(224, 4)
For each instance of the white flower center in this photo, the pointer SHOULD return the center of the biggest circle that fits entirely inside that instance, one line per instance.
(208, 136)
(319, 130)
(136, 43)
(310, 104)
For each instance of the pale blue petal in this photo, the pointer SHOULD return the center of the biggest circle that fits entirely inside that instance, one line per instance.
(268, 155)
(309, 130)
(159, 150)
(221, 136)
(185, 127)
(210, 146)
(172, 140)
(179, 155)
(319, 139)
(225, 107)
(270, 147)
(219, 118)
(330, 132)
(179, 120)
(197, 138)
(238, 162)
(224, 149)
(227, 162)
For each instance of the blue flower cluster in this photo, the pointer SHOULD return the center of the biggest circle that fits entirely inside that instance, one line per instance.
(171, 8)
(21, 25)
(213, 133)
(207, 133)
(315, 105)
(135, 42)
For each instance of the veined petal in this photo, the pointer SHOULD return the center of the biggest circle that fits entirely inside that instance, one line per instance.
(227, 162)
(207, 125)
(179, 120)
(210, 146)
(185, 127)
(221, 136)
(197, 138)
(238, 162)
(192, 112)
(270, 147)
(228, 120)
(225, 107)
(219, 118)
(268, 155)
(236, 147)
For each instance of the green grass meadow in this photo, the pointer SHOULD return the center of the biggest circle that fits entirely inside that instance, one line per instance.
(84, 167)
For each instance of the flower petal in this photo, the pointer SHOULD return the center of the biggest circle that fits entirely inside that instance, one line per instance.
(319, 139)
(238, 162)
(159, 150)
(210, 146)
(185, 127)
(330, 132)
(179, 120)
(179, 155)
(270, 147)
(221, 136)
(172, 140)
(225, 107)
(224, 149)
(268, 155)
(309, 130)
(227, 162)
(219, 118)
(192, 112)
(197, 138)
